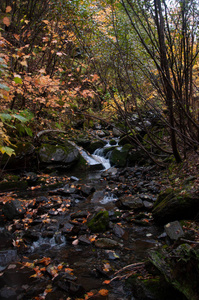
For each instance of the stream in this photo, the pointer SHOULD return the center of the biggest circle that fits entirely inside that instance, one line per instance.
(49, 251)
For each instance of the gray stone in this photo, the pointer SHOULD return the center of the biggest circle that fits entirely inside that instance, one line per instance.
(7, 293)
(129, 202)
(106, 243)
(13, 209)
(66, 154)
(6, 257)
(174, 230)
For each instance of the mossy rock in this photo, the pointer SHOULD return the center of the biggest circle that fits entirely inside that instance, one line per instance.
(108, 149)
(81, 164)
(119, 156)
(95, 145)
(124, 140)
(100, 222)
(83, 142)
(112, 142)
(155, 288)
(13, 185)
(174, 205)
(181, 273)
(53, 154)
(137, 156)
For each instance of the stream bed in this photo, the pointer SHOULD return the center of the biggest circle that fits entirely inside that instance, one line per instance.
(49, 250)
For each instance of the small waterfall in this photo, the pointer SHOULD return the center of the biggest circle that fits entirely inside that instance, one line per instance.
(109, 197)
(98, 157)
(104, 160)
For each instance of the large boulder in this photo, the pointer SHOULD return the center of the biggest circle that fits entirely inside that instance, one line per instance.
(13, 209)
(60, 155)
(119, 156)
(174, 205)
(180, 268)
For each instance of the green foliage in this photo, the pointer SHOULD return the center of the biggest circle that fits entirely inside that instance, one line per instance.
(15, 121)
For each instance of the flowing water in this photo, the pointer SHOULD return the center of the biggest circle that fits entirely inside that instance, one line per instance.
(92, 265)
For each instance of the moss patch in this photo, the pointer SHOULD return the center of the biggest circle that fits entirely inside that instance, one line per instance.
(99, 223)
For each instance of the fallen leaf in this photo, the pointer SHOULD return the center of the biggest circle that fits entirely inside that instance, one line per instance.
(106, 281)
(103, 292)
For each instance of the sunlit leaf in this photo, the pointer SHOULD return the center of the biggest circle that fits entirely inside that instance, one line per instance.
(17, 79)
(9, 151)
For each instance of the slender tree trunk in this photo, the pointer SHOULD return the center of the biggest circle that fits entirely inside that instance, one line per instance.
(165, 74)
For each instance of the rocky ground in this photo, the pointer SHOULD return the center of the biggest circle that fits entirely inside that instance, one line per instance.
(91, 238)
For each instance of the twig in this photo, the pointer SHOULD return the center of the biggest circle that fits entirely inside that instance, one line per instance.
(189, 241)
(37, 136)
(132, 266)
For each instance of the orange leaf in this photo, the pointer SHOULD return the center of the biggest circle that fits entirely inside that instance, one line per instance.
(8, 9)
(103, 292)
(106, 281)
(6, 21)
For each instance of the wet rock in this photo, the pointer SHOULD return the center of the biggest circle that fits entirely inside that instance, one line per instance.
(41, 199)
(67, 228)
(6, 239)
(106, 243)
(118, 231)
(174, 205)
(129, 202)
(112, 255)
(100, 133)
(84, 240)
(31, 178)
(119, 156)
(14, 275)
(72, 288)
(13, 209)
(6, 257)
(59, 239)
(148, 205)
(31, 235)
(116, 132)
(79, 214)
(98, 196)
(95, 145)
(110, 171)
(73, 178)
(8, 293)
(67, 189)
(100, 222)
(56, 294)
(87, 190)
(174, 230)
(66, 154)
(153, 289)
(182, 273)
